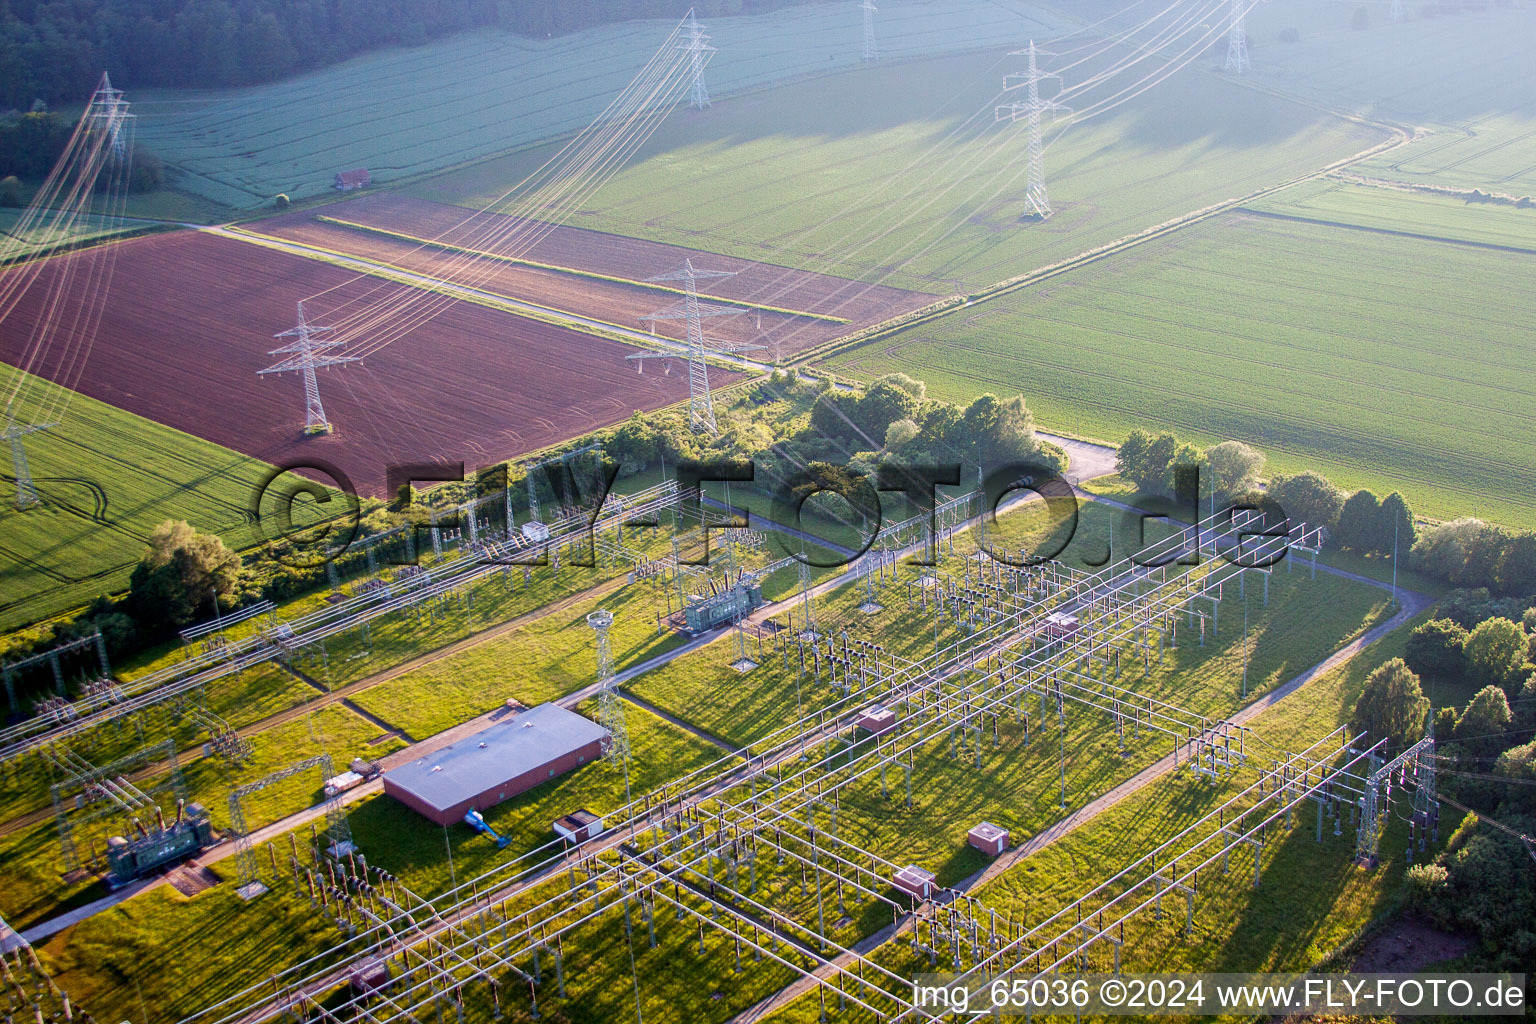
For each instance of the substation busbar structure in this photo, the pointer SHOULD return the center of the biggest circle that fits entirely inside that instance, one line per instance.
(687, 846)
(281, 640)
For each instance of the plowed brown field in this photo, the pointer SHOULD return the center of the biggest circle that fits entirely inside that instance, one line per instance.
(189, 322)
(597, 252)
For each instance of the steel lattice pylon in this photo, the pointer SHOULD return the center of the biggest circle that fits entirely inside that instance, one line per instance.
(1032, 109)
(701, 407)
(1237, 41)
(871, 48)
(336, 827)
(306, 354)
(1416, 762)
(108, 114)
(696, 44)
(26, 491)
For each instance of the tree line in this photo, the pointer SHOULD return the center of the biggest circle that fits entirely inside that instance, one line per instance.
(792, 430)
(55, 50)
(1465, 553)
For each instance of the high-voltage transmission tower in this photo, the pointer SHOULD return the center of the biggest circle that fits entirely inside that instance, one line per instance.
(1398, 13)
(871, 48)
(696, 44)
(108, 115)
(306, 353)
(26, 491)
(701, 408)
(610, 706)
(1237, 41)
(1033, 109)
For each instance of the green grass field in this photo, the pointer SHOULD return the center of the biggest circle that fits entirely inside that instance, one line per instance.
(848, 166)
(108, 477)
(1495, 153)
(1420, 214)
(1339, 350)
(491, 91)
(1458, 69)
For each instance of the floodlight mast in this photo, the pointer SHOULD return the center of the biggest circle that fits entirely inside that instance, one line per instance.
(696, 44)
(701, 407)
(1237, 40)
(610, 705)
(871, 48)
(1031, 109)
(306, 354)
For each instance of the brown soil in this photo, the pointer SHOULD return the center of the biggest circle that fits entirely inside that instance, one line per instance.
(189, 321)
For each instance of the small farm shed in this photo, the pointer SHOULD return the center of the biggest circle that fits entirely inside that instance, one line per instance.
(346, 181)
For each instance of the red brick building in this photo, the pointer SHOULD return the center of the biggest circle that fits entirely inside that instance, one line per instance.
(497, 763)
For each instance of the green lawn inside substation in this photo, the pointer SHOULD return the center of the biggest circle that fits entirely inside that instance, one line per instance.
(1327, 348)
(102, 960)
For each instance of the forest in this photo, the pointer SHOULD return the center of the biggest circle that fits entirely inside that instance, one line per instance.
(55, 50)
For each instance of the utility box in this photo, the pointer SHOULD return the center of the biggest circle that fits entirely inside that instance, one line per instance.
(990, 839)
(579, 826)
(914, 881)
(370, 975)
(876, 720)
(1060, 626)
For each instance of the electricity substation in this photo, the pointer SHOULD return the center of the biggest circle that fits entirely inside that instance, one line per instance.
(571, 737)
(750, 855)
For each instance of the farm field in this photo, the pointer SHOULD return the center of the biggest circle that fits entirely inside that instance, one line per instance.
(1384, 376)
(492, 91)
(1423, 215)
(18, 244)
(861, 151)
(473, 384)
(1494, 153)
(595, 274)
(107, 477)
(1464, 68)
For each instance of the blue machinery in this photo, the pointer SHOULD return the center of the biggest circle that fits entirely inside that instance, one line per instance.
(476, 821)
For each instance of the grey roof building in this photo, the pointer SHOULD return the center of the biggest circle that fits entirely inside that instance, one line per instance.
(497, 763)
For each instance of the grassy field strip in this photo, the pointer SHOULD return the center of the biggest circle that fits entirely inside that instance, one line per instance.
(654, 286)
(1408, 214)
(937, 312)
(492, 91)
(1331, 370)
(594, 326)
